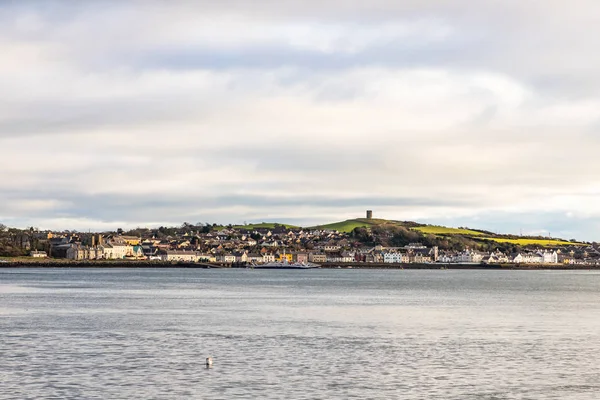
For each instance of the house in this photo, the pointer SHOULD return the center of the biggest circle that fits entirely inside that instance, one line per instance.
(121, 250)
(495, 257)
(469, 257)
(301, 258)
(149, 250)
(527, 258)
(422, 256)
(317, 257)
(549, 257)
(342, 257)
(226, 258)
(268, 257)
(78, 252)
(392, 257)
(254, 258)
(179, 255)
(285, 257)
(447, 257)
(329, 247)
(131, 240)
(137, 252)
(241, 257)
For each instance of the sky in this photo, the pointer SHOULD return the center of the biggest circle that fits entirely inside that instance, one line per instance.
(118, 114)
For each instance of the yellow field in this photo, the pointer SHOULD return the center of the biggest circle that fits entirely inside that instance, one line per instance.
(442, 230)
(538, 242)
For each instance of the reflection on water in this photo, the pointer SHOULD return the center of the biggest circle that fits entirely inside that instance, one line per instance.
(299, 334)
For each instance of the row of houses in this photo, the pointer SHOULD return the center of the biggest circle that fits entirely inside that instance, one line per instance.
(497, 257)
(121, 248)
(296, 245)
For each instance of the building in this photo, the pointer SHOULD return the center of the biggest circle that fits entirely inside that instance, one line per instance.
(301, 258)
(38, 254)
(392, 257)
(78, 252)
(317, 257)
(550, 257)
(120, 250)
(179, 255)
(131, 240)
(369, 214)
(283, 257)
(268, 257)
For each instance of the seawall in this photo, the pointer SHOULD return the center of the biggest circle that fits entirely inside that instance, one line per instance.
(61, 263)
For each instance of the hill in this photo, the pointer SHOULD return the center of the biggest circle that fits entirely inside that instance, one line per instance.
(472, 237)
(349, 225)
(442, 230)
(264, 225)
(397, 232)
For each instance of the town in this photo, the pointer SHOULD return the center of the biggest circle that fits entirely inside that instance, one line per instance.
(267, 243)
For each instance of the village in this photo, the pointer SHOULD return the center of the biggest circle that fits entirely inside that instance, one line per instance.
(242, 246)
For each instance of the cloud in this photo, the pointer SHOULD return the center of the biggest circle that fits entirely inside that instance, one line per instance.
(116, 114)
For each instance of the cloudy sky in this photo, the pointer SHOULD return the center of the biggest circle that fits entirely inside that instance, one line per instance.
(139, 113)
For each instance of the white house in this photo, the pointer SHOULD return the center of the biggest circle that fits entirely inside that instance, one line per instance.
(392, 258)
(550, 257)
(528, 258)
(115, 251)
(469, 256)
(268, 257)
(179, 255)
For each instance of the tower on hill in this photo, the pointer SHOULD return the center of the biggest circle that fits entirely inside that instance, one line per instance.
(369, 214)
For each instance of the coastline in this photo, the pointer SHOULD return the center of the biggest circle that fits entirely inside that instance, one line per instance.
(375, 266)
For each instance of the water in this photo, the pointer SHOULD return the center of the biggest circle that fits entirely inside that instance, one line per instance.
(319, 334)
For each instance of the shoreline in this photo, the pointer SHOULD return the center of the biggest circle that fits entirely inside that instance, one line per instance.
(374, 266)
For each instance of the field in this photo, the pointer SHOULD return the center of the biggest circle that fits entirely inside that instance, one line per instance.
(344, 226)
(267, 225)
(442, 230)
(538, 242)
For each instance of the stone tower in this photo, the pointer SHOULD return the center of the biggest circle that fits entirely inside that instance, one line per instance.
(369, 214)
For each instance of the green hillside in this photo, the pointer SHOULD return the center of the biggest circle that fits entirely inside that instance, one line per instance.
(349, 225)
(469, 237)
(267, 225)
(538, 242)
(442, 230)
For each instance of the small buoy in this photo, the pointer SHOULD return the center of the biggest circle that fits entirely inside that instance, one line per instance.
(208, 362)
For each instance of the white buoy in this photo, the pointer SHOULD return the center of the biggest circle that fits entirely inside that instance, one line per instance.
(208, 362)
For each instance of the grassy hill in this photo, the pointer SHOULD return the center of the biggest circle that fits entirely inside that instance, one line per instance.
(349, 225)
(445, 232)
(534, 241)
(473, 236)
(267, 225)
(442, 230)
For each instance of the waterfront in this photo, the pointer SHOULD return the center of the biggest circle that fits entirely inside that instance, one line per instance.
(411, 334)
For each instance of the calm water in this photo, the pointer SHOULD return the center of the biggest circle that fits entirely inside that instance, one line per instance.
(322, 334)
